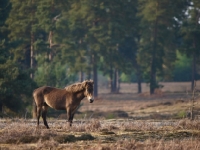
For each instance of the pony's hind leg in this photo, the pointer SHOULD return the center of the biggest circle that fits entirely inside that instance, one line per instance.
(38, 115)
(44, 114)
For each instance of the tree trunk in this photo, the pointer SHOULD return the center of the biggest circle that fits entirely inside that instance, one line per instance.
(88, 74)
(32, 59)
(193, 71)
(95, 77)
(1, 108)
(81, 76)
(153, 61)
(111, 79)
(194, 55)
(152, 77)
(139, 78)
(50, 45)
(116, 82)
(32, 56)
(32, 73)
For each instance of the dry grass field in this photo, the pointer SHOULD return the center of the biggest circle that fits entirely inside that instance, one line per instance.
(115, 122)
(100, 134)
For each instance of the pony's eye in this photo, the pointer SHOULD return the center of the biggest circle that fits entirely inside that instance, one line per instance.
(89, 90)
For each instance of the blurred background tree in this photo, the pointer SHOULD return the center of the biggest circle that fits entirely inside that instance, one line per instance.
(16, 86)
(190, 34)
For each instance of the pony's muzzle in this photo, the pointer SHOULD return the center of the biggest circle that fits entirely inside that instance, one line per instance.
(91, 100)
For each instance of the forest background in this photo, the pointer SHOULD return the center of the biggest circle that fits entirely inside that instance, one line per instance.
(57, 43)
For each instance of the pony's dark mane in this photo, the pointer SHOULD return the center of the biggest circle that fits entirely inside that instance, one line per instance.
(75, 87)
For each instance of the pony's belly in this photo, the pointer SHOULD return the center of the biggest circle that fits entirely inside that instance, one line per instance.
(59, 108)
(55, 104)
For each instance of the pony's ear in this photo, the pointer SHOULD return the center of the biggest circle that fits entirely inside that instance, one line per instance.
(88, 82)
(84, 83)
(91, 81)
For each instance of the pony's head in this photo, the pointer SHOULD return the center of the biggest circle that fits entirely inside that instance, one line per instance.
(88, 84)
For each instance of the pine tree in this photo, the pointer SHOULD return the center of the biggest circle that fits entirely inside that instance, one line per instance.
(190, 31)
(73, 32)
(15, 83)
(158, 19)
(21, 23)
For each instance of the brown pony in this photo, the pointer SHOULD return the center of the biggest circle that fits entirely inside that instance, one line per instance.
(67, 99)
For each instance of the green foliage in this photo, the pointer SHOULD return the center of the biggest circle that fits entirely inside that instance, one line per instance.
(128, 77)
(182, 70)
(181, 114)
(15, 86)
(190, 31)
(52, 74)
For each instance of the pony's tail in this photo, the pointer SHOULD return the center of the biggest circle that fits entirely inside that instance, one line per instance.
(34, 106)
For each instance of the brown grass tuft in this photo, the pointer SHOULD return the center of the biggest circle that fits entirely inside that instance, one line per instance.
(50, 144)
(188, 124)
(93, 125)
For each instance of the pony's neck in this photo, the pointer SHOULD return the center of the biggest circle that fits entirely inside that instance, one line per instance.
(80, 95)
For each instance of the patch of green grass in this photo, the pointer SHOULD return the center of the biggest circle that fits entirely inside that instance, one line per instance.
(181, 114)
(110, 116)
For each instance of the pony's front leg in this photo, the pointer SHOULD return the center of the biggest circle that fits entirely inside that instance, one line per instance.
(70, 117)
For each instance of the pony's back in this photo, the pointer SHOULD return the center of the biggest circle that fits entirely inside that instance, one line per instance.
(43, 90)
